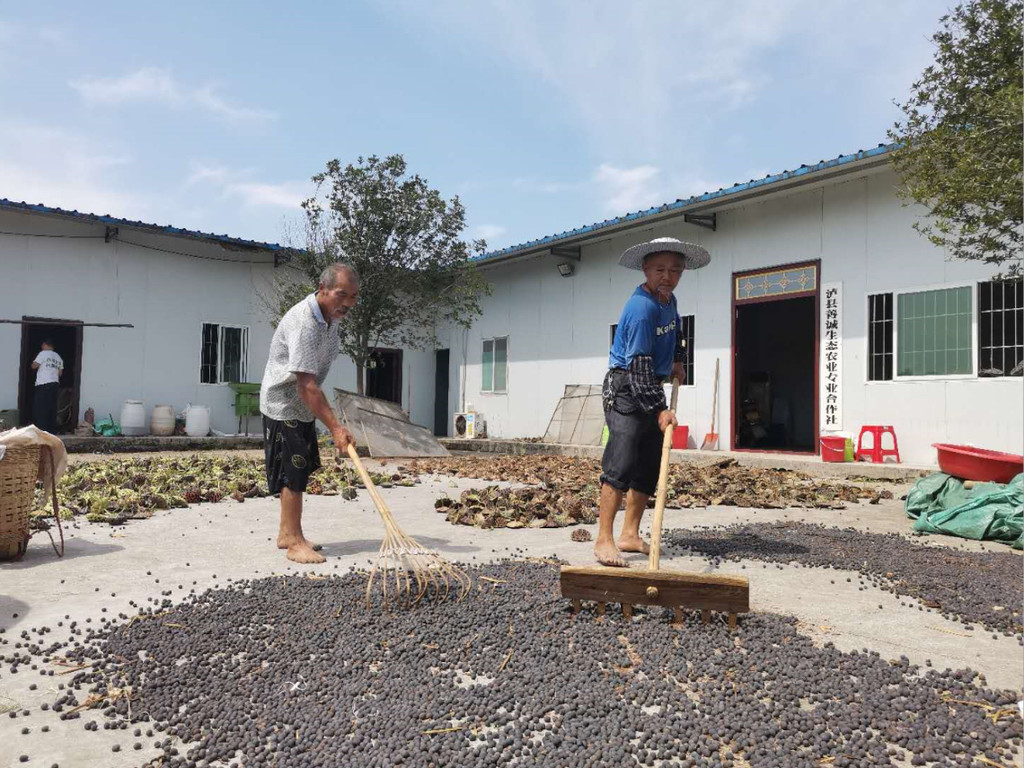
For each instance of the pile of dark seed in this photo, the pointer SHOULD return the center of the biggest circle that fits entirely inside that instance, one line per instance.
(296, 672)
(970, 587)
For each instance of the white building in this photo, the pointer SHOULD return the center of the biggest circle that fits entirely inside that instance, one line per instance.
(914, 340)
(825, 309)
(192, 301)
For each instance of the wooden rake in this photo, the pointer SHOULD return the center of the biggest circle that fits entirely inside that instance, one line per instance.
(405, 572)
(670, 589)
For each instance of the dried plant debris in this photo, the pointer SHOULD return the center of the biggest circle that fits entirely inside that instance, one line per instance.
(970, 587)
(118, 490)
(581, 534)
(568, 489)
(495, 507)
(294, 672)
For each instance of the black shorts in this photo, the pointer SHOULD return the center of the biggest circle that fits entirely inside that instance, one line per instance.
(632, 456)
(292, 453)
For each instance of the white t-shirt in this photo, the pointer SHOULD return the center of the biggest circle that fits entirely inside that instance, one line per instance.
(49, 368)
(303, 343)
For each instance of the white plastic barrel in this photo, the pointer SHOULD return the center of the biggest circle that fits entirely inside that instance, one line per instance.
(133, 418)
(161, 422)
(197, 421)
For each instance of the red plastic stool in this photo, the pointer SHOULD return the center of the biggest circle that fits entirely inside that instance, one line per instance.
(876, 453)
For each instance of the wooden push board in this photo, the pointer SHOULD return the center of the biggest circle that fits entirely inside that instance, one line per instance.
(603, 584)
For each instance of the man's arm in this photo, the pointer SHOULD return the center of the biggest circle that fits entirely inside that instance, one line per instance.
(315, 400)
(35, 366)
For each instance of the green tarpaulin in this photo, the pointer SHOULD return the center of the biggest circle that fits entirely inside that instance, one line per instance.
(940, 503)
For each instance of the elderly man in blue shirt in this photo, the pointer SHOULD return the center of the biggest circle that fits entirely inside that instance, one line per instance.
(647, 350)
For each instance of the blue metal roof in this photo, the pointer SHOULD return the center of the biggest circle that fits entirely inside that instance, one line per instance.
(94, 218)
(772, 178)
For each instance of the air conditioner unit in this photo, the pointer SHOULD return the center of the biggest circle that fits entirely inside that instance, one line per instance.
(465, 425)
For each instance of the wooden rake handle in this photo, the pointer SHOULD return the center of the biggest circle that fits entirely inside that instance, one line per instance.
(659, 503)
(368, 482)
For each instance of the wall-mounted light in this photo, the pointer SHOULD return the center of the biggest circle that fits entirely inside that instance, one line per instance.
(565, 269)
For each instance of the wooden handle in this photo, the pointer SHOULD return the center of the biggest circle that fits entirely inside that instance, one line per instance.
(659, 503)
(714, 399)
(367, 481)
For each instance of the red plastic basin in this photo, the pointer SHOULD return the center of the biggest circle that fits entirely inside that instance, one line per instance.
(979, 464)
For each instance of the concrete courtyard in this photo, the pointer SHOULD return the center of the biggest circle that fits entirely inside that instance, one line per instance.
(207, 545)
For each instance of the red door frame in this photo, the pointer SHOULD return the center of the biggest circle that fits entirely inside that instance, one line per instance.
(733, 303)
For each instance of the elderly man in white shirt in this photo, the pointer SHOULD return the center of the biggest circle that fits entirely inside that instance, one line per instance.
(48, 366)
(302, 350)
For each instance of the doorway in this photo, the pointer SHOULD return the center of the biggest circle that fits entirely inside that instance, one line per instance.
(775, 360)
(66, 337)
(441, 360)
(384, 377)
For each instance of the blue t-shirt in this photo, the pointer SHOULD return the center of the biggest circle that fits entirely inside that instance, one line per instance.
(646, 327)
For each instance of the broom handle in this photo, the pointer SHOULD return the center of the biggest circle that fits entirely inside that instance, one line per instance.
(370, 487)
(659, 503)
(714, 399)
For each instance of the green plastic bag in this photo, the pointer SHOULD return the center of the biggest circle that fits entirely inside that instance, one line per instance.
(940, 503)
(107, 427)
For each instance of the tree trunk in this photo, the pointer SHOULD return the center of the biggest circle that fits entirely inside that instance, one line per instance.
(360, 378)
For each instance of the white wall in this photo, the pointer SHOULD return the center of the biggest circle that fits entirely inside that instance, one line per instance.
(558, 327)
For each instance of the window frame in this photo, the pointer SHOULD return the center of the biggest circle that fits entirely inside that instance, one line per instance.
(896, 293)
(691, 373)
(1001, 313)
(244, 361)
(867, 337)
(493, 341)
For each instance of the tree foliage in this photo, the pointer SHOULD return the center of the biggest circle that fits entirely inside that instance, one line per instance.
(960, 137)
(404, 240)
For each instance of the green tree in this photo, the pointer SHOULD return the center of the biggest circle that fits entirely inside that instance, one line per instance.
(959, 141)
(404, 240)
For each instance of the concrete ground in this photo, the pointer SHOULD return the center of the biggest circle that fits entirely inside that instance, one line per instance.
(208, 544)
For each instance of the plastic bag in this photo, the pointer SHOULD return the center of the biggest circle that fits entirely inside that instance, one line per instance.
(108, 427)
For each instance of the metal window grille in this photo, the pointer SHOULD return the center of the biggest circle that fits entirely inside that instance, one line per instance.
(208, 355)
(687, 333)
(880, 337)
(225, 354)
(1001, 328)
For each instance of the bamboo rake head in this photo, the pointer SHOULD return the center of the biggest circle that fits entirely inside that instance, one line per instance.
(406, 572)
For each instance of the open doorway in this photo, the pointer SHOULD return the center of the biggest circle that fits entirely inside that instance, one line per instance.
(442, 357)
(384, 378)
(66, 337)
(775, 360)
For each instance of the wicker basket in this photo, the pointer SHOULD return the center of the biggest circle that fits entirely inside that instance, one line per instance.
(18, 470)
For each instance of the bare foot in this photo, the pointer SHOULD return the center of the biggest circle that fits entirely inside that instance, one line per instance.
(608, 554)
(633, 544)
(303, 553)
(284, 541)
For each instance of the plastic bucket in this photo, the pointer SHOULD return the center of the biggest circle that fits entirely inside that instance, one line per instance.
(681, 437)
(197, 421)
(133, 418)
(162, 420)
(833, 449)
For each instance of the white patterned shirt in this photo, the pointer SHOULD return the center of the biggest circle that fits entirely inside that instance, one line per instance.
(303, 343)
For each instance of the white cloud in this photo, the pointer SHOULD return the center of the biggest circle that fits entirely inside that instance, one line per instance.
(628, 189)
(49, 166)
(237, 184)
(488, 231)
(159, 86)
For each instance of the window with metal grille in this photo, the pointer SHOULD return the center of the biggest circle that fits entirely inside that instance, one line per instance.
(495, 365)
(934, 332)
(686, 331)
(224, 354)
(880, 337)
(1001, 328)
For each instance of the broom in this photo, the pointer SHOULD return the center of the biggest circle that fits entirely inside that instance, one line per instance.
(711, 438)
(405, 571)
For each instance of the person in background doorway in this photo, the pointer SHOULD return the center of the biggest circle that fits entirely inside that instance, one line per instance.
(647, 350)
(48, 366)
(302, 350)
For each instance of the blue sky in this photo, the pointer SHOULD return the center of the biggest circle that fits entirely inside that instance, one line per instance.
(541, 116)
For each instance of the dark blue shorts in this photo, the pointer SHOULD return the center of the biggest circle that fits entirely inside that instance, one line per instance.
(632, 456)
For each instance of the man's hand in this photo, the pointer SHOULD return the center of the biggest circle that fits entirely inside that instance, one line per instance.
(666, 419)
(342, 438)
(679, 372)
